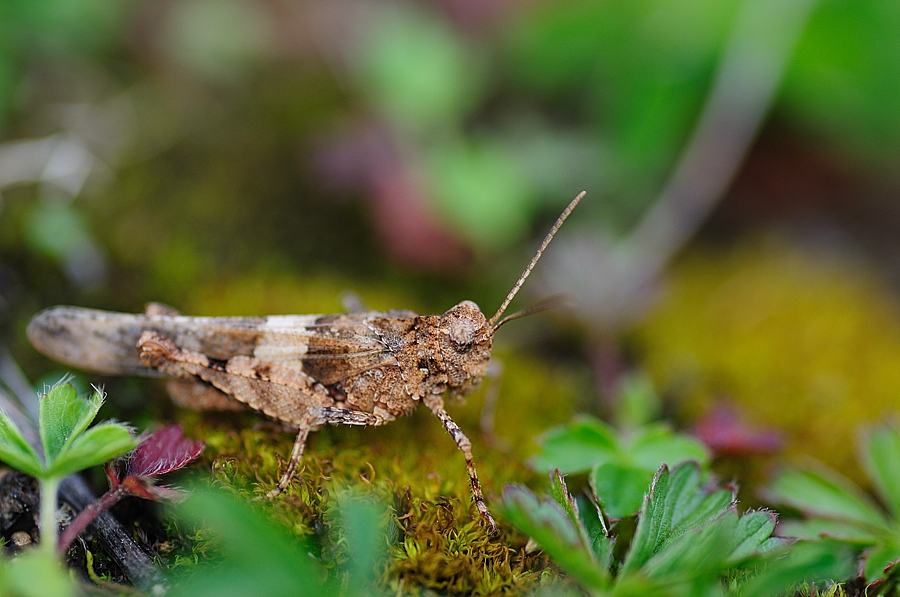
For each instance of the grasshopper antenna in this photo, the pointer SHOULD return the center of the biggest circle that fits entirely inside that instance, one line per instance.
(537, 255)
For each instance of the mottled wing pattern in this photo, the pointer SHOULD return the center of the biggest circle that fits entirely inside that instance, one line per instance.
(343, 353)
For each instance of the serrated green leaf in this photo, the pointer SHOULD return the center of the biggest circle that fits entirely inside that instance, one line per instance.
(97, 445)
(753, 535)
(823, 492)
(654, 445)
(677, 503)
(63, 416)
(877, 560)
(699, 506)
(15, 451)
(620, 488)
(880, 455)
(654, 521)
(560, 493)
(546, 522)
(576, 447)
(698, 554)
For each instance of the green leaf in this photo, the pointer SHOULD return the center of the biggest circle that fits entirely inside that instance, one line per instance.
(825, 493)
(700, 553)
(880, 455)
(597, 531)
(620, 488)
(654, 445)
(803, 562)
(753, 535)
(654, 522)
(15, 451)
(63, 416)
(560, 493)
(362, 522)
(877, 561)
(417, 70)
(816, 528)
(546, 522)
(480, 190)
(34, 573)
(576, 447)
(99, 444)
(677, 503)
(257, 556)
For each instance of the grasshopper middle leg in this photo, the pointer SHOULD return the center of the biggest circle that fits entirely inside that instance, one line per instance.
(317, 416)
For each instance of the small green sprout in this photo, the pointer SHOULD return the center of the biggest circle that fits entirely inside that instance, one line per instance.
(68, 447)
(836, 508)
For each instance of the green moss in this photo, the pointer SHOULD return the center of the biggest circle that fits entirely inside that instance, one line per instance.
(797, 340)
(437, 542)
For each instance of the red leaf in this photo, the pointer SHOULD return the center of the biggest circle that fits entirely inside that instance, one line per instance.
(163, 451)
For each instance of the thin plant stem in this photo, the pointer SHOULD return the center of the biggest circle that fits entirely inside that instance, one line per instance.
(89, 514)
(48, 527)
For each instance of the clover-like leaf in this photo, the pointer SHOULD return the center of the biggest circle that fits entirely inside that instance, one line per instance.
(64, 415)
(622, 464)
(576, 447)
(97, 445)
(620, 488)
(15, 450)
(654, 445)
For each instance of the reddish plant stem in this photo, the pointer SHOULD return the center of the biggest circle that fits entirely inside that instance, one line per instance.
(87, 516)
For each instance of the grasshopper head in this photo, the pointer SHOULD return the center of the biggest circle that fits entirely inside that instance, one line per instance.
(465, 344)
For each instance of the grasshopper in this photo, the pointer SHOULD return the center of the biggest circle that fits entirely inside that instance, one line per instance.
(362, 368)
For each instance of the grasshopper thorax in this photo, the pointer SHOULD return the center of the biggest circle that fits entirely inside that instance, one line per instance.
(465, 344)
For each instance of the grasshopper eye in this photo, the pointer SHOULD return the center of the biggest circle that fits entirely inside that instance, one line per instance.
(462, 332)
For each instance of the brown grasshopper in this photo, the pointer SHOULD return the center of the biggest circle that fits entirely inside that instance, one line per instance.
(364, 368)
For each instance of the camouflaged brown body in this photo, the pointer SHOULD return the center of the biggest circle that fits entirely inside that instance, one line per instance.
(379, 363)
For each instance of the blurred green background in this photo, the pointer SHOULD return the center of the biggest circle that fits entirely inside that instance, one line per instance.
(739, 240)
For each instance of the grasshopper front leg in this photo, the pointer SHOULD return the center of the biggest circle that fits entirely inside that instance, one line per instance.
(436, 404)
